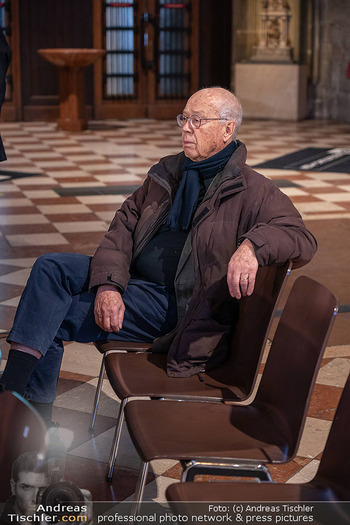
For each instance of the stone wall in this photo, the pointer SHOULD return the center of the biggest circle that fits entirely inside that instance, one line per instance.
(320, 37)
(331, 55)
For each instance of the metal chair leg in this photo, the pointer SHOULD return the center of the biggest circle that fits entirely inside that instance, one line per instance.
(141, 483)
(253, 470)
(116, 441)
(97, 394)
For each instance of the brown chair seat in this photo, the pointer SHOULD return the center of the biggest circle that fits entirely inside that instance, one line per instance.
(212, 437)
(144, 374)
(121, 346)
(196, 430)
(129, 375)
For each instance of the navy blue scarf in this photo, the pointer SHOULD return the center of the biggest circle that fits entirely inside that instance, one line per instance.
(193, 173)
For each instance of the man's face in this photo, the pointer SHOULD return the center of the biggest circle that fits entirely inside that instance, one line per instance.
(211, 137)
(26, 491)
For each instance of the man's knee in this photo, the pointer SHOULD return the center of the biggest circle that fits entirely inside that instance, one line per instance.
(48, 265)
(64, 263)
(46, 260)
(69, 270)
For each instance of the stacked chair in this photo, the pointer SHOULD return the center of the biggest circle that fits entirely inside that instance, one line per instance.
(143, 374)
(226, 439)
(331, 482)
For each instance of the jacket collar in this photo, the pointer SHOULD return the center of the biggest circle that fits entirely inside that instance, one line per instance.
(231, 179)
(167, 172)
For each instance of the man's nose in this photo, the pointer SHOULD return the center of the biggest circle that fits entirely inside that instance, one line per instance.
(187, 126)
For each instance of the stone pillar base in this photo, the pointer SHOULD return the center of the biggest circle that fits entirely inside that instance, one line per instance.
(265, 54)
(275, 91)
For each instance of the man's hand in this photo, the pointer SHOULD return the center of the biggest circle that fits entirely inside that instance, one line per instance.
(109, 308)
(242, 270)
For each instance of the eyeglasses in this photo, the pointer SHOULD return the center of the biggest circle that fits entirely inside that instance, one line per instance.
(194, 120)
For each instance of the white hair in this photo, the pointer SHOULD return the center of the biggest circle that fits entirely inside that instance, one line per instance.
(229, 111)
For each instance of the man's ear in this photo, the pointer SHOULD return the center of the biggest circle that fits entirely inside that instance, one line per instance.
(229, 129)
(13, 487)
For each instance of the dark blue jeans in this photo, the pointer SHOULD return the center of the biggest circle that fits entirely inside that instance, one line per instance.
(57, 306)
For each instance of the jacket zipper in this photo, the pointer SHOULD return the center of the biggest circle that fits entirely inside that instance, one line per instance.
(149, 233)
(155, 225)
(204, 213)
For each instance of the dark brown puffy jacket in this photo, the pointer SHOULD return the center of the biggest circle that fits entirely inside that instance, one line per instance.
(240, 203)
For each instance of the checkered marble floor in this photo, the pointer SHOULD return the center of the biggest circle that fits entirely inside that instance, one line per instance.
(59, 191)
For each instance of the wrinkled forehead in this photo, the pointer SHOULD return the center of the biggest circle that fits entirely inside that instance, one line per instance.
(202, 104)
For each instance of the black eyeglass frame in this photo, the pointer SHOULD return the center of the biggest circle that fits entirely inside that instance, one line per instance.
(181, 120)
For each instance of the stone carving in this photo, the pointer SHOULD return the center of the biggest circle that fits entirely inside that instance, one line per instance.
(274, 44)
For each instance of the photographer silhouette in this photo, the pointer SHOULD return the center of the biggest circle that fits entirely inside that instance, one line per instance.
(29, 478)
(39, 491)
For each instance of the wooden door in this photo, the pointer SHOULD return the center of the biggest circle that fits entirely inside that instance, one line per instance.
(8, 111)
(151, 62)
(50, 24)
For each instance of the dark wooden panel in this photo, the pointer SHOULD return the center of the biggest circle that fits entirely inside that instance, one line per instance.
(51, 24)
(215, 35)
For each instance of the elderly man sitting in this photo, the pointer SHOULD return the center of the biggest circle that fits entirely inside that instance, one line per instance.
(177, 256)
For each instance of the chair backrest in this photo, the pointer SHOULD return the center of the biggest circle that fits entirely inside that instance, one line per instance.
(335, 462)
(21, 430)
(295, 356)
(255, 316)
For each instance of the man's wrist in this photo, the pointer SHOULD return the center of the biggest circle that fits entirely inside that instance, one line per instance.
(249, 244)
(110, 288)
